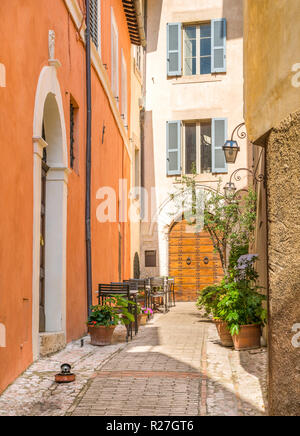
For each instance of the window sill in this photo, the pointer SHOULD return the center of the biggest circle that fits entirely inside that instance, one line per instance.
(204, 78)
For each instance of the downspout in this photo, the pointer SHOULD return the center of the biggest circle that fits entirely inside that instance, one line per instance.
(88, 160)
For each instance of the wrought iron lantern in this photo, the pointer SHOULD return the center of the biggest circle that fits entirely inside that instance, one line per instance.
(231, 150)
(231, 147)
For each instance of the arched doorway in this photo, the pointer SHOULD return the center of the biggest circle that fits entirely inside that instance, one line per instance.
(192, 261)
(50, 212)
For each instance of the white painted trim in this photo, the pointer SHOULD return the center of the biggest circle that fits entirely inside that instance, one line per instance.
(54, 63)
(124, 90)
(78, 19)
(2, 76)
(56, 225)
(115, 64)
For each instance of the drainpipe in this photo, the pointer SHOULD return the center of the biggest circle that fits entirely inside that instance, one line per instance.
(88, 160)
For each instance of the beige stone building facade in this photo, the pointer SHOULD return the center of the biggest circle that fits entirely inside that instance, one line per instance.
(137, 106)
(272, 114)
(194, 100)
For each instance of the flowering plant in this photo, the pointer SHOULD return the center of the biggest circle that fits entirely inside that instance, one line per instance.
(147, 311)
(242, 303)
(115, 311)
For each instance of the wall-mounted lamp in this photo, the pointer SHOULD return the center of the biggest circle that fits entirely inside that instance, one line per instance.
(231, 147)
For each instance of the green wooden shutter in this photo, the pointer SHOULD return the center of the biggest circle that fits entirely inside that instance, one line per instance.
(218, 45)
(173, 148)
(174, 49)
(219, 137)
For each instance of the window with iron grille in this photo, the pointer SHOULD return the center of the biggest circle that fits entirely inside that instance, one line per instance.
(95, 21)
(150, 259)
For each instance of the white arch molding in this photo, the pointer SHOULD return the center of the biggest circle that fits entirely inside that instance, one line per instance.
(49, 107)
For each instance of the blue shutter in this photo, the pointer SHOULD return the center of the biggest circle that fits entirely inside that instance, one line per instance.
(174, 148)
(219, 137)
(174, 49)
(218, 45)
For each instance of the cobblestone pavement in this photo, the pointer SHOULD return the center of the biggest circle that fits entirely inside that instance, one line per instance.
(175, 366)
(36, 394)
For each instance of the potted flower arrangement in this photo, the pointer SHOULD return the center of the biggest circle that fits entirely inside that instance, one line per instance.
(242, 305)
(208, 300)
(104, 318)
(145, 313)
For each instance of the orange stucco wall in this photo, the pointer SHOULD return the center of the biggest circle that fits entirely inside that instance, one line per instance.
(24, 52)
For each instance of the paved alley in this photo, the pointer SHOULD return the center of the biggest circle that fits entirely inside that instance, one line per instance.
(177, 367)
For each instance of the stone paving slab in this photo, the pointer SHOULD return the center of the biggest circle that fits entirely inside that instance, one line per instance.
(175, 366)
(36, 394)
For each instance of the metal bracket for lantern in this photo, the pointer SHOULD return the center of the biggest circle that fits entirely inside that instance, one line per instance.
(231, 149)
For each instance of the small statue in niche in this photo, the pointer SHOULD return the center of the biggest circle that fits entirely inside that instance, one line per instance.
(51, 44)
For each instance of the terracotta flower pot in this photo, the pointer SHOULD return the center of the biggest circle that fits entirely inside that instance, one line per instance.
(248, 337)
(144, 318)
(101, 335)
(139, 317)
(224, 333)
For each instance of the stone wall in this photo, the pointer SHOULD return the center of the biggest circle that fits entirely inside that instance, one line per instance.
(283, 203)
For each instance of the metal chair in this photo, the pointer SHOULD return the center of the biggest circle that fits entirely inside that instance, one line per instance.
(158, 292)
(171, 291)
(133, 288)
(141, 285)
(106, 291)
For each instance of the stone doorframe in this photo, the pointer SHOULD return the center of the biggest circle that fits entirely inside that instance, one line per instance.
(48, 103)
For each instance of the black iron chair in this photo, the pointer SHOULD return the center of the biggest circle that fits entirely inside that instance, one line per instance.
(141, 285)
(159, 293)
(106, 291)
(171, 291)
(133, 289)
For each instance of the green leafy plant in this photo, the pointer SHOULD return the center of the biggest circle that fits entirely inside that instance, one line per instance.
(115, 311)
(106, 316)
(230, 221)
(209, 298)
(241, 306)
(242, 303)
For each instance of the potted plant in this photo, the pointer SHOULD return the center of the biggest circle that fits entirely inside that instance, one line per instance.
(208, 300)
(102, 323)
(145, 313)
(242, 305)
(104, 319)
(139, 315)
(141, 297)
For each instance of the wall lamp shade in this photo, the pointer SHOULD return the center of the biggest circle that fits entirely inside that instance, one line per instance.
(231, 150)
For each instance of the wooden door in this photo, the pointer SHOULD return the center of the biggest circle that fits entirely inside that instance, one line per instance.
(192, 261)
